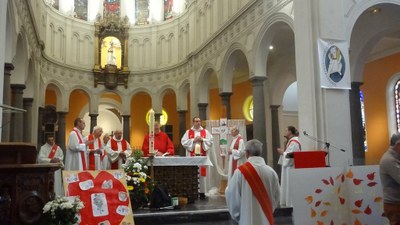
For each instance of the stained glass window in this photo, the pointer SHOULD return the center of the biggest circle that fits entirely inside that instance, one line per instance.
(397, 104)
(363, 120)
(168, 4)
(81, 9)
(112, 6)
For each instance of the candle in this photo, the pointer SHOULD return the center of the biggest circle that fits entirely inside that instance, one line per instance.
(197, 149)
(151, 132)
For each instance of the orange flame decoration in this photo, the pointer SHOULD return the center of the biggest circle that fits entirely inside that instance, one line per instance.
(309, 199)
(313, 213)
(357, 222)
(349, 174)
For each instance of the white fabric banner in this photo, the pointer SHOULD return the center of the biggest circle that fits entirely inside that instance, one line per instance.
(334, 64)
(217, 156)
(337, 195)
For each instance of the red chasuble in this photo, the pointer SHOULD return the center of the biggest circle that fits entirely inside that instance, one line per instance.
(161, 142)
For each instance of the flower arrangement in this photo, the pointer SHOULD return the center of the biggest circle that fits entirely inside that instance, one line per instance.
(138, 181)
(62, 211)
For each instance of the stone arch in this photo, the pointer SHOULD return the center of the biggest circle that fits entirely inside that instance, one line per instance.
(264, 39)
(182, 94)
(359, 35)
(235, 63)
(203, 82)
(20, 60)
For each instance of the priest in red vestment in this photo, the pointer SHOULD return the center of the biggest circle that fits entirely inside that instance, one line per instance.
(163, 146)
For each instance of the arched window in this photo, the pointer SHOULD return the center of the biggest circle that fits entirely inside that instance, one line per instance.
(363, 120)
(397, 104)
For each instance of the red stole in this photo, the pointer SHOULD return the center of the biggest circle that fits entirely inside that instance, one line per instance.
(114, 146)
(258, 188)
(83, 158)
(92, 163)
(234, 161)
(203, 135)
(203, 169)
(293, 140)
(53, 151)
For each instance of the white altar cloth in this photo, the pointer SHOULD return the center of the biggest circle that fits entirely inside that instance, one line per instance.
(182, 161)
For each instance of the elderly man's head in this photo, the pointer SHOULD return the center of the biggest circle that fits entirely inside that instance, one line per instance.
(118, 134)
(97, 131)
(253, 148)
(234, 131)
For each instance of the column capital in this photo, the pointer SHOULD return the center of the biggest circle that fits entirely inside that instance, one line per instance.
(356, 85)
(62, 113)
(182, 111)
(8, 67)
(93, 114)
(274, 107)
(256, 81)
(126, 116)
(18, 86)
(225, 94)
(27, 101)
(202, 105)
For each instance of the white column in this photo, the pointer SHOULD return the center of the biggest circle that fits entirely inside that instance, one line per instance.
(323, 113)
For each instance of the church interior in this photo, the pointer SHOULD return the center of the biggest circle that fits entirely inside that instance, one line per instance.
(260, 61)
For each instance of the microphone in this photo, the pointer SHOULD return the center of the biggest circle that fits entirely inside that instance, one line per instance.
(342, 150)
(305, 133)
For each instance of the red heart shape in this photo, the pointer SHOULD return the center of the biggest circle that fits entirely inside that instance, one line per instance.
(111, 196)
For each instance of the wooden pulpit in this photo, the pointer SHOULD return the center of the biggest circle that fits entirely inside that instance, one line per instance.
(25, 187)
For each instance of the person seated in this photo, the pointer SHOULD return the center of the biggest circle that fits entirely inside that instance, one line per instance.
(163, 146)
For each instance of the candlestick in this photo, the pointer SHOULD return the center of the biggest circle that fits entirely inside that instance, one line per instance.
(151, 132)
(197, 149)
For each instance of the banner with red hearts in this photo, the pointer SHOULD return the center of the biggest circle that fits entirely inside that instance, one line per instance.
(104, 194)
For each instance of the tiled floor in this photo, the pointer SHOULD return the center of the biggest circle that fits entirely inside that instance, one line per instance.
(212, 211)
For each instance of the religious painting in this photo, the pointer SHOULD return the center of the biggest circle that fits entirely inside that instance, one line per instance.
(81, 9)
(112, 6)
(111, 52)
(333, 68)
(104, 195)
(168, 4)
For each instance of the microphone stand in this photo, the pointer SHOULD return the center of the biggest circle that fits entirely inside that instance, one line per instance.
(327, 145)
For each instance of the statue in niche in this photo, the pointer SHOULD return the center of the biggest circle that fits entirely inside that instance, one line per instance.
(111, 52)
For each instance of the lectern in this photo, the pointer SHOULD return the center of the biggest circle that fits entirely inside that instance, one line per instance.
(24, 185)
(309, 159)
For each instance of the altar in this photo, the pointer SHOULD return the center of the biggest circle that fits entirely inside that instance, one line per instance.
(180, 175)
